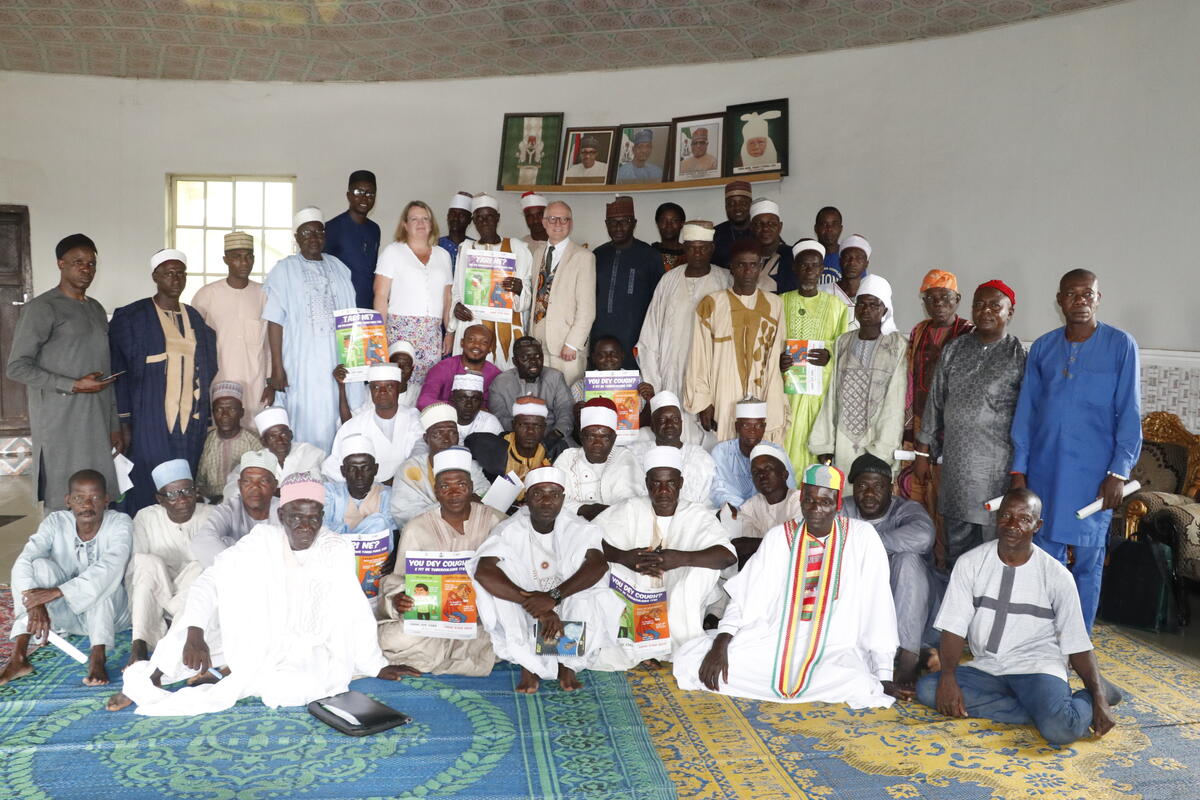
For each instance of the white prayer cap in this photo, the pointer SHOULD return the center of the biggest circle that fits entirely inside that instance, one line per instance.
(176, 469)
(545, 475)
(483, 200)
(452, 458)
(530, 406)
(751, 409)
(401, 346)
(657, 457)
(301, 486)
(664, 399)
(878, 286)
(306, 215)
(597, 415)
(163, 256)
(764, 206)
(270, 417)
(764, 449)
(532, 200)
(467, 382)
(438, 412)
(695, 232)
(384, 372)
(854, 240)
(461, 200)
(225, 389)
(261, 459)
(808, 244)
(357, 444)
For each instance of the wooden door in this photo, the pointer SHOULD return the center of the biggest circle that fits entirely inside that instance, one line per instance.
(16, 282)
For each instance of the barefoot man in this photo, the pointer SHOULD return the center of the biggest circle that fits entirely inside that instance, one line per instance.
(68, 577)
(281, 612)
(546, 566)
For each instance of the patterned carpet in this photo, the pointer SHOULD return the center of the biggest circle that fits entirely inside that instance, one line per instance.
(718, 748)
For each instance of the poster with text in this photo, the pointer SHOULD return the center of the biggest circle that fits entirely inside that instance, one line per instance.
(620, 386)
(643, 624)
(483, 284)
(803, 377)
(442, 594)
(371, 551)
(361, 339)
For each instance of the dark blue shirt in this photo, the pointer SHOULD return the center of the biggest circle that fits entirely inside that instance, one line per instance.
(625, 284)
(832, 273)
(358, 247)
(447, 244)
(724, 235)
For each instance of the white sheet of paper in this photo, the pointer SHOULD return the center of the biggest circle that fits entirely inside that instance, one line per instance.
(504, 492)
(123, 466)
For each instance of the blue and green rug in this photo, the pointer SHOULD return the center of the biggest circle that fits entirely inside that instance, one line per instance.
(470, 738)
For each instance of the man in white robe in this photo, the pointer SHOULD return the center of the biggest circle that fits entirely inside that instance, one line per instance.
(598, 474)
(162, 565)
(394, 429)
(830, 638)
(400, 353)
(668, 427)
(662, 542)
(546, 566)
(291, 457)
(466, 395)
(412, 487)
(732, 483)
(458, 524)
(774, 501)
(294, 624)
(68, 577)
(252, 503)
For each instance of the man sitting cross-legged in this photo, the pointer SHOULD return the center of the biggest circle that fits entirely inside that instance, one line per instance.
(69, 577)
(668, 426)
(810, 617)
(162, 566)
(294, 624)
(457, 524)
(1018, 608)
(662, 542)
(546, 566)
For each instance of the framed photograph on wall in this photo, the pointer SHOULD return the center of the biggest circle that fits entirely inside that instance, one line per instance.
(643, 152)
(757, 138)
(697, 146)
(587, 155)
(529, 149)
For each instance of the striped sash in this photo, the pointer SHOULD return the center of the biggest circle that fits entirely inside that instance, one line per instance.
(797, 658)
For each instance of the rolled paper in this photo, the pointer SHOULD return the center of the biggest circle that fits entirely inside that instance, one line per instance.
(1094, 506)
(68, 648)
(905, 455)
(993, 504)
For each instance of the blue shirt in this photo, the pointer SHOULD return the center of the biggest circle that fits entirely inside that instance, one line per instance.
(832, 272)
(631, 173)
(447, 244)
(356, 246)
(732, 483)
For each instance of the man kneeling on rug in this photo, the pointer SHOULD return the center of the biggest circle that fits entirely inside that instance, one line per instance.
(281, 611)
(69, 577)
(1019, 610)
(545, 567)
(810, 616)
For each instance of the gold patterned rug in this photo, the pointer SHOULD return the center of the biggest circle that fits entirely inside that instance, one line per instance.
(715, 747)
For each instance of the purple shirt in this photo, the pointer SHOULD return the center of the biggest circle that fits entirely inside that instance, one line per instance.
(440, 379)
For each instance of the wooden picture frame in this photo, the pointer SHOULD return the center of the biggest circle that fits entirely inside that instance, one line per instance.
(685, 165)
(574, 169)
(657, 165)
(529, 149)
(756, 138)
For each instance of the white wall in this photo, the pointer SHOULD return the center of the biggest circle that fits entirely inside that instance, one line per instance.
(1017, 153)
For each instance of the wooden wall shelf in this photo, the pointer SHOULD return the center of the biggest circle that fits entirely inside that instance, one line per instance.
(622, 188)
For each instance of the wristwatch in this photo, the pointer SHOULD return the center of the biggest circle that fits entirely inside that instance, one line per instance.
(555, 595)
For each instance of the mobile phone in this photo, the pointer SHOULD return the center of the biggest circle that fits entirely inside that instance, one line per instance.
(112, 375)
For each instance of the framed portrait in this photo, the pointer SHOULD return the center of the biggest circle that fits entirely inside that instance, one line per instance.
(757, 138)
(587, 155)
(697, 146)
(642, 153)
(529, 149)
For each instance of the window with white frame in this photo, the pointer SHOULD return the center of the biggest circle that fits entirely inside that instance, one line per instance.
(203, 208)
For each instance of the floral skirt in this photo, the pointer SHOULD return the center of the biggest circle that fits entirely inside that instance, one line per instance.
(424, 334)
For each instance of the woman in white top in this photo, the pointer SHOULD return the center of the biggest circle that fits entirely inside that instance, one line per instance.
(412, 287)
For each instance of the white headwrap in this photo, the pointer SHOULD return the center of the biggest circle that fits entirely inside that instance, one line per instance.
(357, 444)
(306, 215)
(467, 382)
(533, 201)
(764, 449)
(483, 200)
(597, 415)
(756, 128)
(435, 413)
(545, 475)
(657, 457)
(526, 406)
(854, 240)
(664, 399)
(807, 244)
(877, 286)
(163, 256)
(270, 417)
(385, 372)
(452, 458)
(461, 200)
(750, 410)
(764, 206)
(696, 233)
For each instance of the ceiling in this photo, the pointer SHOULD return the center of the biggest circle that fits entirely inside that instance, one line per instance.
(391, 40)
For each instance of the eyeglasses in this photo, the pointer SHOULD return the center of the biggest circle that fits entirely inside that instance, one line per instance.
(179, 494)
(362, 193)
(311, 234)
(556, 220)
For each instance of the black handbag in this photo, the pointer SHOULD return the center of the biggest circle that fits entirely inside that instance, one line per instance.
(355, 714)
(1139, 586)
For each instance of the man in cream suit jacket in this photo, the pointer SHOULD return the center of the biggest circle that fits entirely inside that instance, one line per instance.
(564, 304)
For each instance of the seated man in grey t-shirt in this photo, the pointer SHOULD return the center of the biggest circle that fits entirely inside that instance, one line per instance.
(1019, 610)
(254, 502)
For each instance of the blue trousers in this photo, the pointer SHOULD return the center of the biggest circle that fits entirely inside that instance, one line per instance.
(1045, 701)
(1088, 571)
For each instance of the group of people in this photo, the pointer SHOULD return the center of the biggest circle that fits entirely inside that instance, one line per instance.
(800, 516)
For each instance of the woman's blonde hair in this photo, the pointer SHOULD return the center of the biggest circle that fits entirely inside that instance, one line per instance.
(402, 233)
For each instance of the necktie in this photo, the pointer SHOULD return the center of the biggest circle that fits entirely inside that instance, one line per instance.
(544, 280)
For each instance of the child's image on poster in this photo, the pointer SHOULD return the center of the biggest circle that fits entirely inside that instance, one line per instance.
(361, 340)
(803, 377)
(442, 594)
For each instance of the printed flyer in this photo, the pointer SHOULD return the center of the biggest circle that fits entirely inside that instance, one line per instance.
(361, 340)
(644, 621)
(483, 290)
(573, 641)
(442, 594)
(620, 386)
(371, 551)
(803, 377)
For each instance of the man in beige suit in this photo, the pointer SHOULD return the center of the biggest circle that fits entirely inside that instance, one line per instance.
(564, 305)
